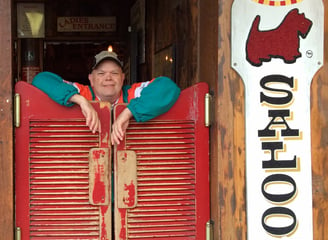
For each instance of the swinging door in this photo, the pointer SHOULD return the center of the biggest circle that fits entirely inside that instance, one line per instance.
(162, 173)
(62, 170)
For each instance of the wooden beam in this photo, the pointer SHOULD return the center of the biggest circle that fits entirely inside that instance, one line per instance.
(319, 144)
(231, 199)
(6, 116)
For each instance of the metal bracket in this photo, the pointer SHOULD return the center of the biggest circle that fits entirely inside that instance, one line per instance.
(209, 230)
(17, 110)
(208, 100)
(18, 235)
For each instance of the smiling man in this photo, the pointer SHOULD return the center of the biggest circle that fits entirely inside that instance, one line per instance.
(145, 100)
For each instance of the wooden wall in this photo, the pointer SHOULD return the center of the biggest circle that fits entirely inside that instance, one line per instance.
(174, 23)
(201, 32)
(6, 136)
(228, 206)
(319, 128)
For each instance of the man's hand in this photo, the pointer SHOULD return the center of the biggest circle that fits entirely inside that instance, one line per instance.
(120, 125)
(90, 114)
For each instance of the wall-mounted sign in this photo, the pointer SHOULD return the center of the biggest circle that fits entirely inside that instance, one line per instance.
(277, 47)
(86, 24)
(30, 20)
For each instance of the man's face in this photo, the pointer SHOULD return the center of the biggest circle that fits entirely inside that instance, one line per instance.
(107, 81)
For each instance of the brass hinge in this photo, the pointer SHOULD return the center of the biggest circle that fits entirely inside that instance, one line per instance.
(208, 100)
(209, 230)
(17, 110)
(18, 233)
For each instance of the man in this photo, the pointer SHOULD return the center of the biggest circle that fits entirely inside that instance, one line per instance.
(146, 100)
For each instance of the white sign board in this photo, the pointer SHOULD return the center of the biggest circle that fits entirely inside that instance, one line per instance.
(86, 24)
(277, 47)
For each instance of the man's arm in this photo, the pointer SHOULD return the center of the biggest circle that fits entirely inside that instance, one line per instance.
(90, 114)
(149, 101)
(120, 125)
(54, 86)
(66, 94)
(154, 99)
(146, 102)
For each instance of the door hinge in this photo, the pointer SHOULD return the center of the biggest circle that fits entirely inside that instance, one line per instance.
(208, 101)
(18, 233)
(209, 230)
(17, 116)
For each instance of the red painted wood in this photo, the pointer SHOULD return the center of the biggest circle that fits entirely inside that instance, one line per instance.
(99, 175)
(172, 173)
(52, 170)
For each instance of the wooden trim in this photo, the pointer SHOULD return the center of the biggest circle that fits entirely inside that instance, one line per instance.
(231, 137)
(6, 126)
(319, 143)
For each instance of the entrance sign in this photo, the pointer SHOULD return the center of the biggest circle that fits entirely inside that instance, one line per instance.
(277, 47)
(86, 24)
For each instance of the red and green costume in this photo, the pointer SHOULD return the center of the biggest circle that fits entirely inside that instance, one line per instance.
(146, 100)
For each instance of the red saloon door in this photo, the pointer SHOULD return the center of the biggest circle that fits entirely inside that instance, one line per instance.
(62, 170)
(162, 173)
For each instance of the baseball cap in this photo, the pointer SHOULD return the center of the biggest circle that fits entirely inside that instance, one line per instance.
(105, 55)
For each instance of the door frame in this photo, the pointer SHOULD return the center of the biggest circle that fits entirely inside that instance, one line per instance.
(6, 123)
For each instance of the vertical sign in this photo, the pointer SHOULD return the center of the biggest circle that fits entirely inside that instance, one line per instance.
(277, 47)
